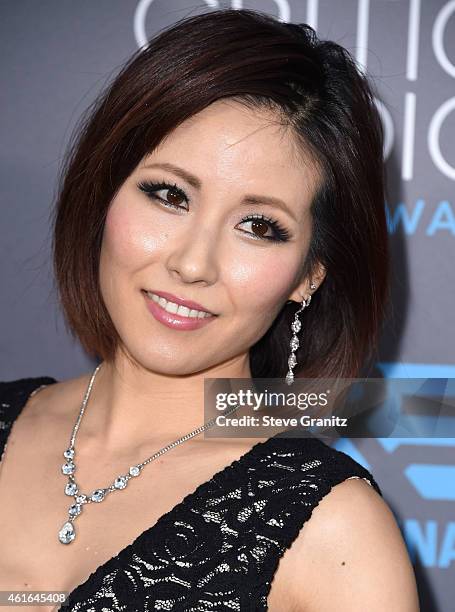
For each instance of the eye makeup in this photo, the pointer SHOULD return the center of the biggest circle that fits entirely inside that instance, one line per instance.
(152, 188)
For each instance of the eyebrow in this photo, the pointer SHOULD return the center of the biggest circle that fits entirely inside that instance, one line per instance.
(196, 183)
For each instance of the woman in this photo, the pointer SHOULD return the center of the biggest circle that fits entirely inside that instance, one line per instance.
(230, 174)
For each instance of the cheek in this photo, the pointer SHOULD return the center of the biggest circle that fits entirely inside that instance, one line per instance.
(263, 282)
(126, 241)
(124, 250)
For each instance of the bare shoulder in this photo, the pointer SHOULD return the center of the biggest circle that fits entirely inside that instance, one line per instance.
(352, 555)
(45, 417)
(52, 399)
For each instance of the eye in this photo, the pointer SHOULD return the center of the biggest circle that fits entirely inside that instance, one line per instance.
(172, 196)
(261, 224)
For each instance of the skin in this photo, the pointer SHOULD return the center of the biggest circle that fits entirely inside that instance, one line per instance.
(351, 553)
(153, 392)
(350, 557)
(203, 252)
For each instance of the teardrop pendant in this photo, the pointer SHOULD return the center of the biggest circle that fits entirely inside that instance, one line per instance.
(67, 533)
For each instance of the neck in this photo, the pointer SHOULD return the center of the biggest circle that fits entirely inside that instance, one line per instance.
(131, 406)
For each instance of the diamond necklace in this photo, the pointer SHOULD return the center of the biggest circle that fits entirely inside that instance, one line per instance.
(67, 533)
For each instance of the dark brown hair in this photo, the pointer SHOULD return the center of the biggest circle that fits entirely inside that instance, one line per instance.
(329, 104)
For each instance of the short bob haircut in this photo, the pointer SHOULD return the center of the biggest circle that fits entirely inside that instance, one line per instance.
(316, 88)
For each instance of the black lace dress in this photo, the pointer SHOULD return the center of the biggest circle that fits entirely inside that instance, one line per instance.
(218, 549)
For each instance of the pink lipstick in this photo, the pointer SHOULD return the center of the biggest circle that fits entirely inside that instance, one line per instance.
(172, 319)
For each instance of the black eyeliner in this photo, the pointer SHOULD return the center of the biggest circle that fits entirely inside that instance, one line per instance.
(151, 187)
(282, 235)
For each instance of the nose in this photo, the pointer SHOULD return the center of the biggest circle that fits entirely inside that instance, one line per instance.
(192, 257)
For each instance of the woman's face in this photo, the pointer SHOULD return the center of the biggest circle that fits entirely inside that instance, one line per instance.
(218, 214)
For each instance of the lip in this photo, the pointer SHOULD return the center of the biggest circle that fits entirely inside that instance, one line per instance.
(180, 301)
(174, 321)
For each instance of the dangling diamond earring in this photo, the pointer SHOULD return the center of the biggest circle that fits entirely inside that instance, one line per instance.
(294, 343)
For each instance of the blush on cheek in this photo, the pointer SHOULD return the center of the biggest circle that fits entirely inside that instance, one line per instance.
(123, 233)
(116, 224)
(266, 282)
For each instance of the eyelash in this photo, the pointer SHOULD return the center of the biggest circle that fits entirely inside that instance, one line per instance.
(150, 189)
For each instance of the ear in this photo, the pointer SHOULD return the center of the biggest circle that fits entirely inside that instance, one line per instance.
(308, 285)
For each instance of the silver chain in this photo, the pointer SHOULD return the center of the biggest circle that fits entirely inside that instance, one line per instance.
(68, 533)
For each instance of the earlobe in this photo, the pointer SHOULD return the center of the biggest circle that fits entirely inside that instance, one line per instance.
(304, 294)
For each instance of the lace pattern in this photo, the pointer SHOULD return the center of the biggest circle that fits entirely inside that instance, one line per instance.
(218, 550)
